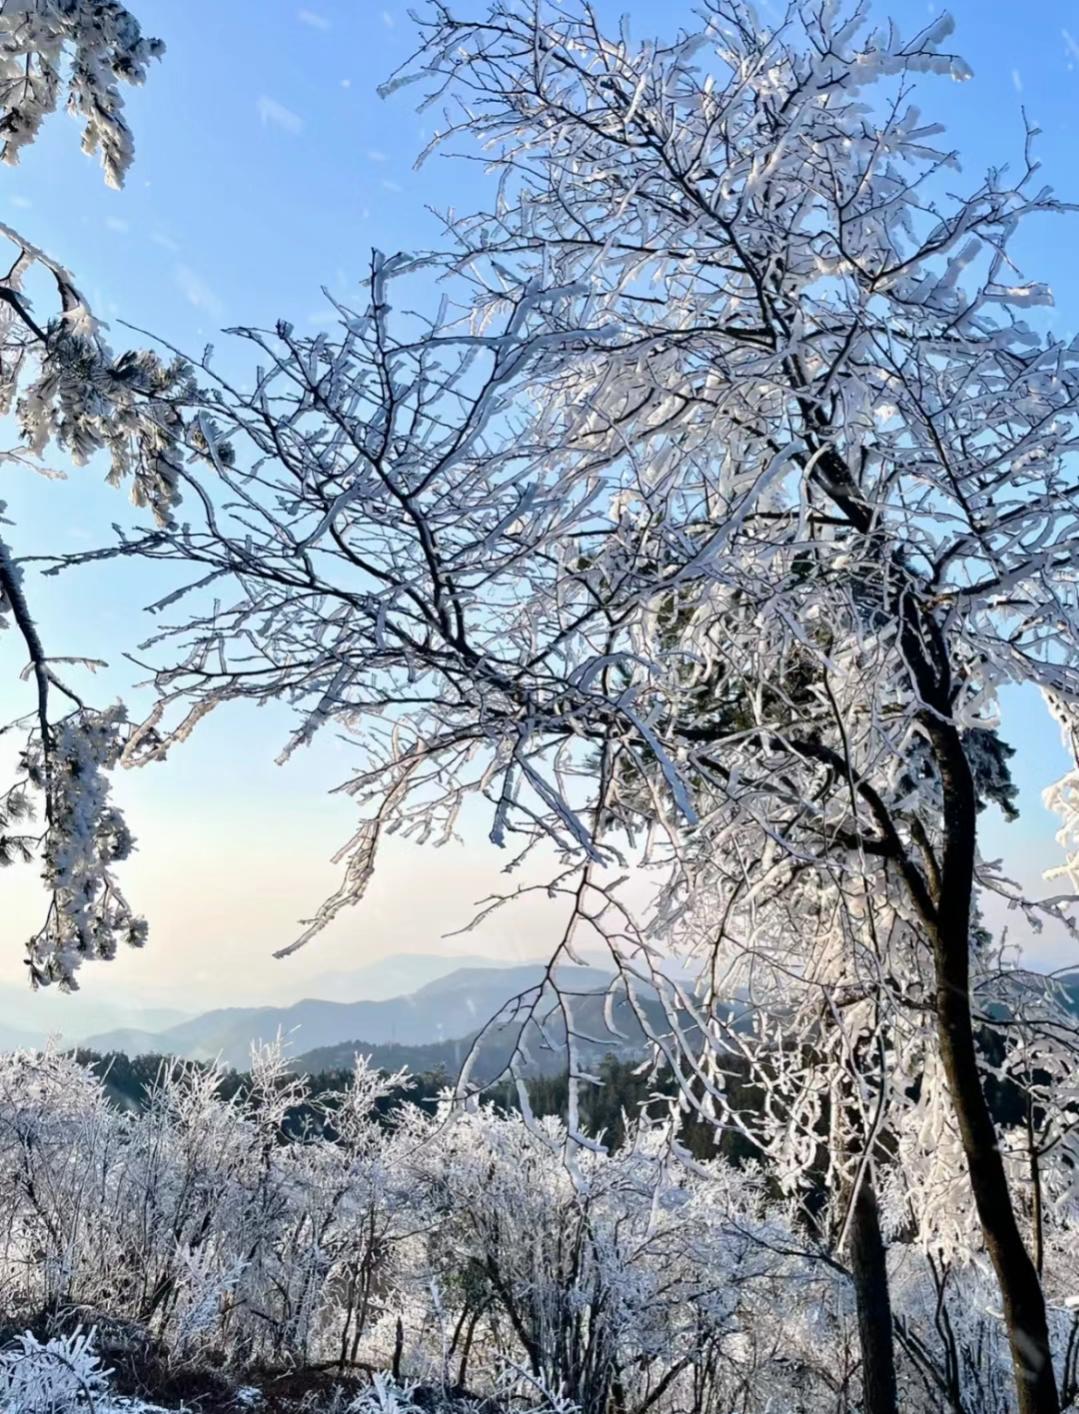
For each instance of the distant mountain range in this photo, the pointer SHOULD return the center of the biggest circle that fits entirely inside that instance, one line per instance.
(28, 1019)
(431, 1026)
(601, 1030)
(441, 1011)
(401, 973)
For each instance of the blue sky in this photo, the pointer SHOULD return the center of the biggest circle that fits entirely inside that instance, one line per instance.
(267, 167)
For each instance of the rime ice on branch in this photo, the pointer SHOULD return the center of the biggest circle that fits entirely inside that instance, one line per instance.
(67, 389)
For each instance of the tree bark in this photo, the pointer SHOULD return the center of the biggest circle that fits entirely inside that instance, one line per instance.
(1036, 1210)
(875, 1333)
(946, 910)
(1021, 1292)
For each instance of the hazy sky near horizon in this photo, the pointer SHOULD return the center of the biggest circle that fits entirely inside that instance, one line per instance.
(266, 168)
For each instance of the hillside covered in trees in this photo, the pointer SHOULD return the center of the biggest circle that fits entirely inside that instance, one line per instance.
(227, 1229)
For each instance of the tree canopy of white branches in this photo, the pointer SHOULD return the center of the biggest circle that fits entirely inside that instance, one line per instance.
(695, 531)
(711, 510)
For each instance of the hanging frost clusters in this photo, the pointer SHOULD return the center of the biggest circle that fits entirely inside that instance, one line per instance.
(67, 389)
(75, 50)
(87, 915)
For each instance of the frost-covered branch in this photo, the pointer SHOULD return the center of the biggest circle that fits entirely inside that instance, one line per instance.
(68, 390)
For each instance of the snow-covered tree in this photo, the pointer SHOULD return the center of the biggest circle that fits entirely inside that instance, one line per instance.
(852, 456)
(66, 389)
(714, 514)
(455, 1249)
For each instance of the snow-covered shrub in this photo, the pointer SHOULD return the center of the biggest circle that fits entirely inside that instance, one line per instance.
(59, 1376)
(475, 1254)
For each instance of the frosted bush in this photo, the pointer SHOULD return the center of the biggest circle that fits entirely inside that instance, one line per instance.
(59, 1376)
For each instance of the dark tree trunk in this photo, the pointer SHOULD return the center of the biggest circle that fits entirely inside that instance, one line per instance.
(945, 903)
(1037, 1216)
(875, 1334)
(1021, 1292)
